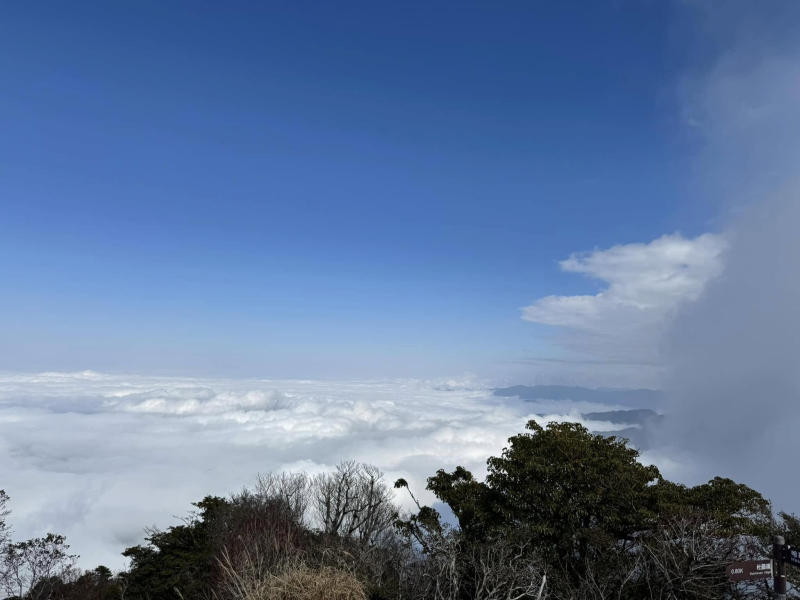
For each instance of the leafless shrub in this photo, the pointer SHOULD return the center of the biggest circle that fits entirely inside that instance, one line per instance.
(293, 489)
(258, 525)
(490, 570)
(339, 521)
(686, 557)
(353, 502)
(615, 581)
(455, 567)
(502, 570)
(682, 557)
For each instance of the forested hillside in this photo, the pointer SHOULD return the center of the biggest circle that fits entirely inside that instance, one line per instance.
(562, 514)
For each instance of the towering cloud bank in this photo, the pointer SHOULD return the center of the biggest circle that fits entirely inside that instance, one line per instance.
(733, 356)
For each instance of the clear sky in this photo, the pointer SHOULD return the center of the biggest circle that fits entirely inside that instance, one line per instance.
(326, 189)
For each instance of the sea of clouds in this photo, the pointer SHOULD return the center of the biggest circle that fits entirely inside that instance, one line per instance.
(97, 457)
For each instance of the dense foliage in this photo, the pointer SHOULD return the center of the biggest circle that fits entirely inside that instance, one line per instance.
(562, 513)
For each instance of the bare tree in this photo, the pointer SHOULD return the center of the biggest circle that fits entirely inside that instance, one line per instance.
(456, 567)
(123, 583)
(5, 532)
(615, 581)
(36, 568)
(494, 569)
(686, 556)
(501, 570)
(353, 502)
(291, 488)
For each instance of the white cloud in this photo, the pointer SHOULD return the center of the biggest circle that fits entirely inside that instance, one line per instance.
(645, 284)
(97, 457)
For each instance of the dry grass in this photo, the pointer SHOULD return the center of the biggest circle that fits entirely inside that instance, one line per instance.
(292, 580)
(304, 583)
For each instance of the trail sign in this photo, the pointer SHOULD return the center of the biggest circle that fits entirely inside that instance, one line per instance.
(751, 569)
(792, 556)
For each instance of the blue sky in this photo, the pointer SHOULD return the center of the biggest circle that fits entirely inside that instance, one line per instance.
(292, 189)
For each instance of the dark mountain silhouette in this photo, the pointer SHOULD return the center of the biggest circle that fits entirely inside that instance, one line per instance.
(637, 438)
(637, 416)
(641, 423)
(633, 398)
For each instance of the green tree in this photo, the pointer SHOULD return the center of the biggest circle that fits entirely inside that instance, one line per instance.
(35, 568)
(574, 492)
(177, 562)
(586, 505)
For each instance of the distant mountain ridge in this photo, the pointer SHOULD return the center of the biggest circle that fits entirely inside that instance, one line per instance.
(636, 416)
(636, 398)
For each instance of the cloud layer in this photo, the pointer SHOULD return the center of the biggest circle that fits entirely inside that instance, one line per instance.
(97, 457)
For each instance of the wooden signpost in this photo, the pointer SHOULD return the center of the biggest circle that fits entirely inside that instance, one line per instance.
(763, 569)
(751, 569)
(779, 556)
